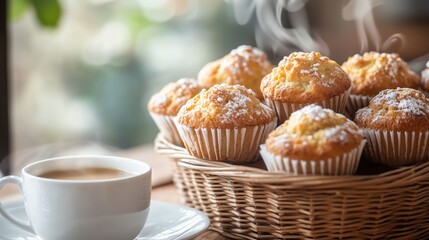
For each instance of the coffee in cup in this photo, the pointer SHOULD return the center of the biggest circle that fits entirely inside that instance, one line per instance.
(83, 197)
(90, 173)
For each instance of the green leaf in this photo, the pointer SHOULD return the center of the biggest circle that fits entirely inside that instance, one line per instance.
(17, 8)
(48, 12)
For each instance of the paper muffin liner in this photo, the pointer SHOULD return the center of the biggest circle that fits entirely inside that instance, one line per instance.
(395, 148)
(345, 164)
(356, 102)
(236, 145)
(168, 128)
(284, 110)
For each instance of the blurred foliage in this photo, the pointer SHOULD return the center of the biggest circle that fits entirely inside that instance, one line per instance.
(97, 86)
(48, 12)
(17, 8)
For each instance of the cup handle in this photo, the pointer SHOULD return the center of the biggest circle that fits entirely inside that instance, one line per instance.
(23, 225)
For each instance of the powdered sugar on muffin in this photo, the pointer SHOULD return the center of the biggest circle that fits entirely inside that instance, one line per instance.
(314, 133)
(173, 96)
(225, 106)
(244, 65)
(373, 72)
(305, 78)
(396, 109)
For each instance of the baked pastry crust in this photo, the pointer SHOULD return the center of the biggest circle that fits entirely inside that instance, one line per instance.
(314, 133)
(401, 109)
(373, 72)
(225, 106)
(173, 96)
(305, 78)
(245, 66)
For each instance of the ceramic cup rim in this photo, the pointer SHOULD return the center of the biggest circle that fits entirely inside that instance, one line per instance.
(141, 168)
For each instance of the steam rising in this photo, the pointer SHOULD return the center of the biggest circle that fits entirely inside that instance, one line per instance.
(270, 33)
(361, 11)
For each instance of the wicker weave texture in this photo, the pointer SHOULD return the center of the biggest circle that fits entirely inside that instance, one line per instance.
(249, 203)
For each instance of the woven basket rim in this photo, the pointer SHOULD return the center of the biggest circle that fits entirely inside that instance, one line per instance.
(394, 178)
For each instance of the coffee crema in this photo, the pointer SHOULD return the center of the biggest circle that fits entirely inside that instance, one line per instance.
(93, 173)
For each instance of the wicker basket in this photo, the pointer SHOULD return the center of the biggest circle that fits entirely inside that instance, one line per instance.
(250, 203)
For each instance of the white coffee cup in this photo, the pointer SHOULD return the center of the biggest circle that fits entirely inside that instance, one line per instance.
(101, 209)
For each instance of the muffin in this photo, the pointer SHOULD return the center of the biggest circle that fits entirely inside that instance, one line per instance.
(164, 106)
(396, 124)
(425, 80)
(245, 66)
(302, 79)
(373, 72)
(313, 141)
(225, 123)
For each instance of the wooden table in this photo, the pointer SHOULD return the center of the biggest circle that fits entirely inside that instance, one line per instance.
(163, 188)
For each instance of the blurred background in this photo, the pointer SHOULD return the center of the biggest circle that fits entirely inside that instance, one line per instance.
(82, 71)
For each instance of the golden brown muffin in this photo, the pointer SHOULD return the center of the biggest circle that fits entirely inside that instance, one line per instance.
(305, 78)
(225, 123)
(401, 109)
(173, 96)
(396, 124)
(245, 66)
(314, 133)
(225, 106)
(373, 72)
(164, 106)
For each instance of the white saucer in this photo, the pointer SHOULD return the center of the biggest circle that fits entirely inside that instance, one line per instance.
(165, 221)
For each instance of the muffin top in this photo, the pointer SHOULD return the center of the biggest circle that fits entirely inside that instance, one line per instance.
(225, 106)
(401, 109)
(304, 78)
(245, 66)
(425, 78)
(314, 133)
(173, 96)
(373, 72)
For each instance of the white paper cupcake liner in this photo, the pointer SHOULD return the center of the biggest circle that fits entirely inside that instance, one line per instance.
(284, 110)
(396, 148)
(356, 102)
(345, 164)
(237, 145)
(168, 129)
